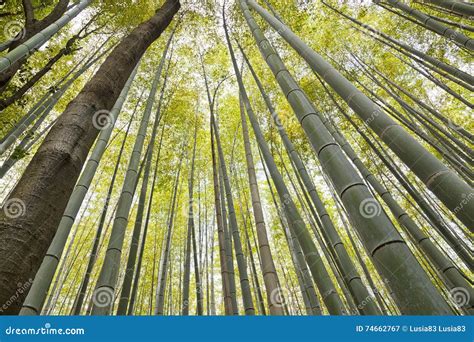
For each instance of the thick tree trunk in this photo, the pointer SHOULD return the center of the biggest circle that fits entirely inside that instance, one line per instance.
(39, 290)
(46, 103)
(49, 179)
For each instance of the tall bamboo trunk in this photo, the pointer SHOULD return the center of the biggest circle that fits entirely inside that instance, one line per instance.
(77, 306)
(108, 277)
(413, 289)
(234, 229)
(432, 24)
(225, 280)
(445, 267)
(165, 255)
(39, 290)
(137, 231)
(36, 34)
(192, 231)
(351, 276)
(268, 268)
(296, 223)
(444, 183)
(228, 243)
(460, 7)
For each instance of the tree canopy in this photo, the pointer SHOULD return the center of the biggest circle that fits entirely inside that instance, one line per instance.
(236, 157)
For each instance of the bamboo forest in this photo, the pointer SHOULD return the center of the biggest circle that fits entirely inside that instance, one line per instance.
(236, 157)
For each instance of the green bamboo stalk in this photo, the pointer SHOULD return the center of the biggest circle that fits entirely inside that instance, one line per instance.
(296, 223)
(312, 217)
(191, 227)
(432, 24)
(444, 266)
(106, 284)
(145, 230)
(39, 290)
(305, 283)
(225, 278)
(165, 252)
(461, 151)
(460, 7)
(187, 264)
(350, 274)
(77, 307)
(40, 38)
(413, 290)
(132, 255)
(228, 240)
(444, 183)
(459, 130)
(241, 263)
(270, 276)
(432, 60)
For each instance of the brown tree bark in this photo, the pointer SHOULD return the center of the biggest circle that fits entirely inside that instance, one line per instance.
(43, 191)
